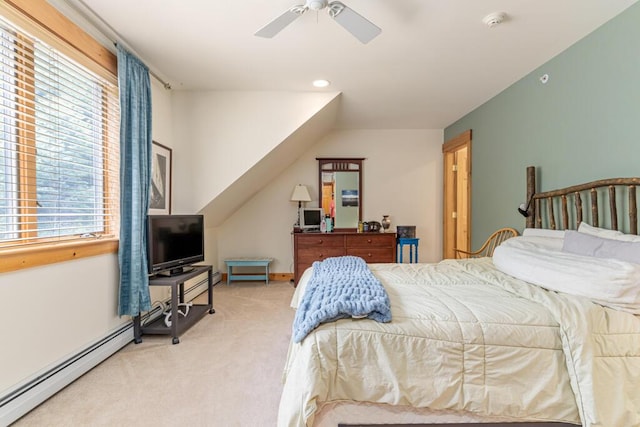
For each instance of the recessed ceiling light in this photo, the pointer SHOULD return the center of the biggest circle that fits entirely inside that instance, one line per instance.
(321, 83)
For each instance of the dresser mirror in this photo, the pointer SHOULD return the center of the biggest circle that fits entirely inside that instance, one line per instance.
(340, 187)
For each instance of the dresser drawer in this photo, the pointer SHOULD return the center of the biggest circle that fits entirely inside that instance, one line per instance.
(320, 241)
(372, 247)
(365, 240)
(308, 255)
(373, 255)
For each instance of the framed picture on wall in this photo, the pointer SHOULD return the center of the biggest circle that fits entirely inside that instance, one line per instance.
(160, 191)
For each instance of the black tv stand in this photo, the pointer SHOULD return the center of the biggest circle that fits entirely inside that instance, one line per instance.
(179, 323)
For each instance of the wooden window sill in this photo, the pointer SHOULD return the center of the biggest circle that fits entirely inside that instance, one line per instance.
(32, 256)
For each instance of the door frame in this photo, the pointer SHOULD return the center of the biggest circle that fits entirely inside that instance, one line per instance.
(451, 195)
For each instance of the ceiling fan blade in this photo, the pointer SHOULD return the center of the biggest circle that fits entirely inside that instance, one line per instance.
(356, 24)
(278, 24)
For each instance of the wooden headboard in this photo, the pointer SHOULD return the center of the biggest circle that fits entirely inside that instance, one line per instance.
(564, 209)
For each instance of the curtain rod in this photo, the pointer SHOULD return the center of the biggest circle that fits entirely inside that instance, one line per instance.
(166, 85)
(101, 25)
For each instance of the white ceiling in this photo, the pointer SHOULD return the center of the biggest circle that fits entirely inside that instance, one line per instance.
(434, 62)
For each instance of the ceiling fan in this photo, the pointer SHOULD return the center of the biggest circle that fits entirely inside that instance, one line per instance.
(357, 25)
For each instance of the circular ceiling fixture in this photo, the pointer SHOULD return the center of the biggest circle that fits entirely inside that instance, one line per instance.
(321, 83)
(493, 19)
(316, 4)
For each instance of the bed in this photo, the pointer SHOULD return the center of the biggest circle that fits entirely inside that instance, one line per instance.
(547, 331)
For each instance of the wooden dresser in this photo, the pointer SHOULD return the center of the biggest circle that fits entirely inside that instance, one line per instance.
(310, 247)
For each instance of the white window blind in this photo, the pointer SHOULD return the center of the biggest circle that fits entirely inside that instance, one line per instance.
(58, 145)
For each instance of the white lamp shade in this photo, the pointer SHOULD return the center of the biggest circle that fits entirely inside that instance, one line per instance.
(300, 194)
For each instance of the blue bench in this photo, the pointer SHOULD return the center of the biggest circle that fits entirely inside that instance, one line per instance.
(248, 262)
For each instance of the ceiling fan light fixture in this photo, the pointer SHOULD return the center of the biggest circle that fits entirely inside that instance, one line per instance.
(321, 83)
(359, 27)
(316, 4)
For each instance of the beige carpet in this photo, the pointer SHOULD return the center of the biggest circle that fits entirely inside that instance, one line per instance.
(225, 371)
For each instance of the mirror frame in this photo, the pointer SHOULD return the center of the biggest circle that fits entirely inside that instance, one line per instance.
(342, 164)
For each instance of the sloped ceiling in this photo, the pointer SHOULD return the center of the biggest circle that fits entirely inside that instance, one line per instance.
(434, 62)
(222, 201)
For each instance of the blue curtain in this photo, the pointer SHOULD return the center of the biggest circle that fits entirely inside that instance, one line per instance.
(135, 180)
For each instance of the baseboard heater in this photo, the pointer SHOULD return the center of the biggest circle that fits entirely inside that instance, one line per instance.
(26, 396)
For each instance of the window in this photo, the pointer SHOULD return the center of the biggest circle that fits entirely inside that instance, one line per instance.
(58, 147)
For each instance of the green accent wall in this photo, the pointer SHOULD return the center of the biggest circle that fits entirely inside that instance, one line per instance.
(579, 126)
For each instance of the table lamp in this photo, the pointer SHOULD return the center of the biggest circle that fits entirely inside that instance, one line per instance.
(300, 194)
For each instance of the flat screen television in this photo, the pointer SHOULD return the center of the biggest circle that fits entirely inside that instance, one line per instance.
(310, 218)
(174, 242)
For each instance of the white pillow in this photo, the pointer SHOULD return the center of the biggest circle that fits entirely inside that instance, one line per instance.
(543, 232)
(586, 244)
(538, 242)
(607, 234)
(608, 282)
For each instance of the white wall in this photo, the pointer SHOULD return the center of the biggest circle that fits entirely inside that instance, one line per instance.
(227, 133)
(162, 130)
(51, 312)
(402, 177)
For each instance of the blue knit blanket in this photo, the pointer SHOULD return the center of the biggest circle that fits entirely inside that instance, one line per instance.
(340, 287)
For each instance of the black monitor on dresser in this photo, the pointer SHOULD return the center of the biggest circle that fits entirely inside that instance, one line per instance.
(311, 218)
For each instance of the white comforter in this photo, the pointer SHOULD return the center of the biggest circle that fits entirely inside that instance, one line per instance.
(467, 337)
